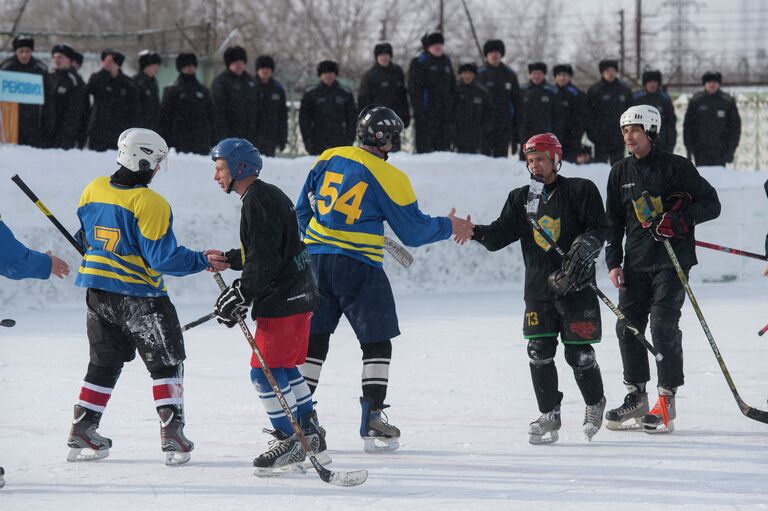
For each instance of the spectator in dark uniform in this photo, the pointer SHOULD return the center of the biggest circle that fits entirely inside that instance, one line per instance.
(272, 109)
(327, 116)
(571, 102)
(234, 97)
(186, 114)
(431, 86)
(65, 101)
(652, 94)
(504, 91)
(115, 102)
(607, 99)
(384, 84)
(472, 114)
(712, 126)
(584, 155)
(539, 110)
(149, 92)
(30, 126)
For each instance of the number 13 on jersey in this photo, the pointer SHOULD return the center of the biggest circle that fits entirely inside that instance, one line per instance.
(348, 204)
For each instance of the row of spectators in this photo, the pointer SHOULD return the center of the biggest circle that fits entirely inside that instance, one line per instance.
(486, 111)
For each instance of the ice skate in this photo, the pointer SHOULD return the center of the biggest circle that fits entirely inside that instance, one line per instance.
(2, 477)
(284, 456)
(634, 407)
(544, 429)
(660, 418)
(593, 419)
(315, 436)
(85, 443)
(377, 433)
(175, 445)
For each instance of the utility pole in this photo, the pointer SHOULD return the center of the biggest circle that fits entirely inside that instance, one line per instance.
(147, 13)
(638, 38)
(383, 31)
(442, 16)
(680, 26)
(622, 46)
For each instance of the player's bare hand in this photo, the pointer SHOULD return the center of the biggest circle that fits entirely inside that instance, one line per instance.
(765, 271)
(461, 228)
(617, 277)
(58, 266)
(217, 260)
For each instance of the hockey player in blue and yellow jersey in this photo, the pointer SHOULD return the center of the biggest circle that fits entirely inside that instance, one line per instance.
(346, 198)
(128, 236)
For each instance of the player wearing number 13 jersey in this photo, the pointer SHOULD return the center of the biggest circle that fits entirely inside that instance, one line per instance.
(128, 237)
(346, 198)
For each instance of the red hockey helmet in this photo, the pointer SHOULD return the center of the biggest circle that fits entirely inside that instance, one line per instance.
(545, 143)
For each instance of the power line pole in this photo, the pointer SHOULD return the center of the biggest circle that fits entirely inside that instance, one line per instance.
(622, 45)
(638, 38)
(680, 26)
(442, 16)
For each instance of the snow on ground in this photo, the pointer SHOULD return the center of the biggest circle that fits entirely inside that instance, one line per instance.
(460, 385)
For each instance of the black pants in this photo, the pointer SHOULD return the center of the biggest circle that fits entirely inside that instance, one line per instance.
(496, 143)
(611, 155)
(710, 160)
(432, 135)
(659, 295)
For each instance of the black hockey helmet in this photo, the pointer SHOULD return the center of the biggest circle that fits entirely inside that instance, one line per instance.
(378, 125)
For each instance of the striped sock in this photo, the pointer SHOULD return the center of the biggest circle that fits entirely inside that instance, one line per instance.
(269, 399)
(301, 391)
(94, 397)
(168, 392)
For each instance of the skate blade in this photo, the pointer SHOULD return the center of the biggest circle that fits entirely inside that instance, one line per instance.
(624, 426)
(323, 458)
(86, 454)
(547, 438)
(292, 468)
(661, 428)
(173, 458)
(2, 481)
(379, 444)
(590, 431)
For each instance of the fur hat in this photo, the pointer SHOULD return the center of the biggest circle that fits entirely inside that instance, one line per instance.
(118, 57)
(537, 66)
(493, 45)
(327, 66)
(562, 68)
(78, 58)
(23, 41)
(382, 48)
(469, 66)
(606, 63)
(185, 59)
(65, 50)
(265, 61)
(712, 76)
(652, 75)
(233, 54)
(430, 39)
(149, 57)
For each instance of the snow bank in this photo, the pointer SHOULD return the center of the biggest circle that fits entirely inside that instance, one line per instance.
(206, 218)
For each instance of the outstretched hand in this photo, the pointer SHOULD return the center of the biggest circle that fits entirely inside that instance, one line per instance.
(58, 266)
(462, 229)
(217, 260)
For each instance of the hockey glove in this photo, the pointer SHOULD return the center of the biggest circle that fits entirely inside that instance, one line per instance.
(669, 225)
(231, 306)
(578, 268)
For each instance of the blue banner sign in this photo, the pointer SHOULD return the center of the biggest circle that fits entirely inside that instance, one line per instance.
(21, 88)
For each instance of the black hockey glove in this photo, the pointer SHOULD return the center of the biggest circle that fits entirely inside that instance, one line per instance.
(231, 306)
(578, 268)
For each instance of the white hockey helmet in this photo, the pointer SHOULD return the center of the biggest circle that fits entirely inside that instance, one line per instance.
(140, 149)
(646, 116)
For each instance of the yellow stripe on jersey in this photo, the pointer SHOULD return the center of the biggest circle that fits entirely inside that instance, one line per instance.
(114, 264)
(112, 275)
(393, 181)
(310, 240)
(359, 238)
(152, 210)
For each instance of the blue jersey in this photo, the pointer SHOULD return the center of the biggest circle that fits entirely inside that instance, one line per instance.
(129, 233)
(18, 262)
(355, 193)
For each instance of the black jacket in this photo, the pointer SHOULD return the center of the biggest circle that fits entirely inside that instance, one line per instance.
(663, 103)
(571, 103)
(574, 207)
(660, 174)
(149, 102)
(385, 86)
(328, 117)
(271, 116)
(504, 90)
(539, 110)
(472, 118)
(66, 107)
(115, 109)
(712, 125)
(431, 86)
(187, 117)
(30, 116)
(277, 271)
(234, 98)
(606, 101)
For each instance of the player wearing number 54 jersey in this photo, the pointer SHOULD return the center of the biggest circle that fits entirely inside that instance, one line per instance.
(346, 198)
(128, 237)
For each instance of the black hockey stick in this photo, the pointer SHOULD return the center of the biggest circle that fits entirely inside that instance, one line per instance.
(763, 330)
(29, 193)
(198, 321)
(353, 478)
(8, 322)
(607, 301)
(752, 413)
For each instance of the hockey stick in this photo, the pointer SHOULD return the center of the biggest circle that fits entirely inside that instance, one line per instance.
(8, 322)
(531, 216)
(198, 321)
(763, 330)
(353, 478)
(752, 413)
(29, 193)
(734, 251)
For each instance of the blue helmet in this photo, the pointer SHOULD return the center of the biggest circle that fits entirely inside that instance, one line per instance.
(243, 159)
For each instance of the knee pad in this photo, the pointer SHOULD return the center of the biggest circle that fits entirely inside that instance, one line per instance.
(318, 346)
(581, 357)
(541, 350)
(381, 349)
(160, 373)
(103, 376)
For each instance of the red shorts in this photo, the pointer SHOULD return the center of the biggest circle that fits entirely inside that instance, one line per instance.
(282, 341)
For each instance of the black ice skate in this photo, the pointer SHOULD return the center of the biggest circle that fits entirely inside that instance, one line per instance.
(175, 445)
(660, 418)
(377, 433)
(593, 418)
(315, 435)
(634, 407)
(85, 443)
(285, 455)
(544, 429)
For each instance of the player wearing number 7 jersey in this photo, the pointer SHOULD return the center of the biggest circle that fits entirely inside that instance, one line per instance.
(346, 198)
(129, 243)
